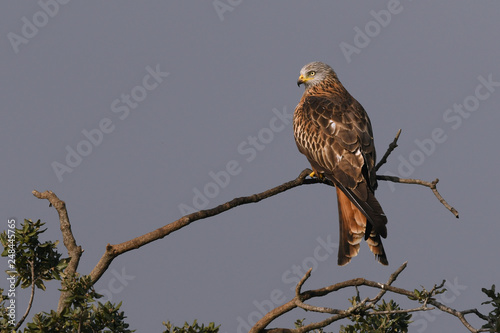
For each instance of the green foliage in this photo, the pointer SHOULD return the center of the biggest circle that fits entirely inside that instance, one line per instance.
(4, 324)
(378, 323)
(82, 314)
(31, 261)
(423, 295)
(191, 328)
(494, 316)
(27, 255)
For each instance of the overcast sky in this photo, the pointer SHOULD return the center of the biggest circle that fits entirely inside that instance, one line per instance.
(135, 113)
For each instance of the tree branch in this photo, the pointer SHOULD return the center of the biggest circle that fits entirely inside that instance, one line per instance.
(307, 307)
(392, 146)
(431, 185)
(74, 251)
(340, 314)
(32, 296)
(297, 301)
(112, 251)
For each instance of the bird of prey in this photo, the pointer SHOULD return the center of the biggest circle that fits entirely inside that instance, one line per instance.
(334, 132)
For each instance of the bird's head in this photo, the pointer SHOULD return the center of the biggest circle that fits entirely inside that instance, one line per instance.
(314, 73)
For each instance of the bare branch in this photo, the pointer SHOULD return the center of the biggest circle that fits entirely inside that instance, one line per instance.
(302, 281)
(392, 146)
(74, 251)
(308, 307)
(382, 292)
(431, 185)
(319, 309)
(323, 323)
(459, 314)
(477, 313)
(420, 308)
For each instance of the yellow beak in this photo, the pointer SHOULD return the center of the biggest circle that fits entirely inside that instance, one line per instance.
(302, 79)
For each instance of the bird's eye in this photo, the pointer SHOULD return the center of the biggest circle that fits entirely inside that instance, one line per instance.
(312, 73)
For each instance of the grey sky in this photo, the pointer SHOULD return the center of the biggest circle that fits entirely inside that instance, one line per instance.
(225, 105)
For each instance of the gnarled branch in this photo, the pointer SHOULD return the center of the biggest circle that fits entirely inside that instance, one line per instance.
(74, 251)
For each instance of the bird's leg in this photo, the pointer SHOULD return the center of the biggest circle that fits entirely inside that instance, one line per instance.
(316, 174)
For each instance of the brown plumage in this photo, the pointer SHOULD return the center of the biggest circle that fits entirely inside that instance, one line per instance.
(334, 132)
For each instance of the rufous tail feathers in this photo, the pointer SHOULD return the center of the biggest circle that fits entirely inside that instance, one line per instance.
(353, 225)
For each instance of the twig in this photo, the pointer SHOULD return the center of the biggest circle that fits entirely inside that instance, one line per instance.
(32, 296)
(308, 307)
(341, 315)
(74, 251)
(390, 281)
(420, 308)
(477, 313)
(392, 146)
(431, 185)
(301, 282)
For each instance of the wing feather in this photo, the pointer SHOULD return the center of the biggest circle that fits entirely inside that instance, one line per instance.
(350, 134)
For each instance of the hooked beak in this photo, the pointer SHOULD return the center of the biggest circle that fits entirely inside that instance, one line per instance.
(302, 79)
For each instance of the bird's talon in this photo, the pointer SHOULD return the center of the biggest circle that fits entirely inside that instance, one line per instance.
(320, 176)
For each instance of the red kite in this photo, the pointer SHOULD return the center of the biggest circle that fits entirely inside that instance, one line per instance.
(334, 132)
